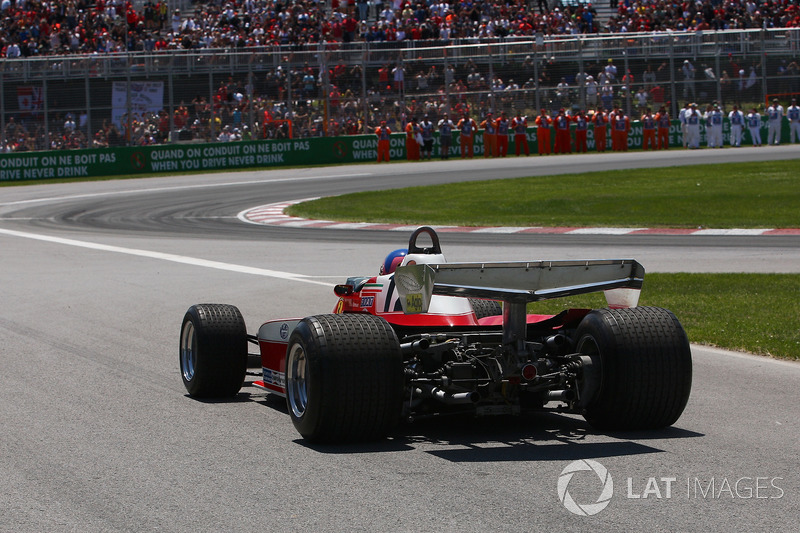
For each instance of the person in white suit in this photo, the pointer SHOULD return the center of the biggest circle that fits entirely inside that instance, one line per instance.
(774, 123)
(754, 125)
(693, 127)
(736, 119)
(793, 114)
(713, 118)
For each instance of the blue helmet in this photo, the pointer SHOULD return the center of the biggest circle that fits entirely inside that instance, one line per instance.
(393, 260)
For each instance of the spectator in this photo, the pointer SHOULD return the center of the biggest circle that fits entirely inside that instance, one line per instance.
(641, 97)
(591, 92)
(446, 128)
(688, 71)
(427, 128)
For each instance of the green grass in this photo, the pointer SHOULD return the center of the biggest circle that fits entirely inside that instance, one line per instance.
(739, 195)
(757, 313)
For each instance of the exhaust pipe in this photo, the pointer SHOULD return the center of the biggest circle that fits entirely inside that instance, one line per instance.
(560, 395)
(430, 391)
(558, 344)
(410, 348)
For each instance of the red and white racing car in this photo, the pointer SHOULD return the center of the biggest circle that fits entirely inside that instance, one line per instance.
(429, 338)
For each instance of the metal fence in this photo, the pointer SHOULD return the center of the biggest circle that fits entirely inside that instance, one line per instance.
(215, 94)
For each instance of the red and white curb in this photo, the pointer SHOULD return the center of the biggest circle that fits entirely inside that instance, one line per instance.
(273, 215)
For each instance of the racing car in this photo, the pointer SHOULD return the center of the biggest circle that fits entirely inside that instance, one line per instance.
(428, 338)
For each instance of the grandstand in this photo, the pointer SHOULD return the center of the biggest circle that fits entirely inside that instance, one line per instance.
(100, 75)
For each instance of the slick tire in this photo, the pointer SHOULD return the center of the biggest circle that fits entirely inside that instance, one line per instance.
(344, 378)
(213, 351)
(645, 367)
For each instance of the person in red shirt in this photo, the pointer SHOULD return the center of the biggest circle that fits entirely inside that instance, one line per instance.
(180, 117)
(383, 133)
(648, 130)
(467, 128)
(503, 126)
(563, 140)
(383, 77)
(412, 147)
(520, 126)
(662, 128)
(600, 120)
(163, 125)
(333, 97)
(350, 25)
(581, 129)
(489, 136)
(543, 122)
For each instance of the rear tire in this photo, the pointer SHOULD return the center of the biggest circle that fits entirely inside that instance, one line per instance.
(213, 351)
(646, 367)
(344, 378)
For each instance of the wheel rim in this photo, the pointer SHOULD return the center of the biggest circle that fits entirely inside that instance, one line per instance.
(188, 349)
(591, 378)
(296, 387)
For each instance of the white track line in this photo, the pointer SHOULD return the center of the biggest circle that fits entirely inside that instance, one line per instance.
(193, 261)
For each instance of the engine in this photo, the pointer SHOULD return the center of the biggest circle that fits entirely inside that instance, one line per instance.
(475, 373)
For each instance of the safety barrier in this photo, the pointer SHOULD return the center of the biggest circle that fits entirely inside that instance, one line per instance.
(193, 157)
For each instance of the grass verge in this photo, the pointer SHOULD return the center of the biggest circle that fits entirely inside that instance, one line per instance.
(757, 313)
(736, 195)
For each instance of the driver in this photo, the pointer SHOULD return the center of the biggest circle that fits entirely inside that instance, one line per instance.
(392, 261)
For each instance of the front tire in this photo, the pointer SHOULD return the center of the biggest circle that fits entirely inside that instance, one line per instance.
(646, 367)
(213, 351)
(344, 378)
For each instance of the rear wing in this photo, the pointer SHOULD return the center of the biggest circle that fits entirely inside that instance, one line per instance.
(518, 283)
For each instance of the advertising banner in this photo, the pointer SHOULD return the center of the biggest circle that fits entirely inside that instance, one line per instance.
(181, 158)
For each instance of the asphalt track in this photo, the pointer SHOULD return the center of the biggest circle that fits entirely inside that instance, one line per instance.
(97, 434)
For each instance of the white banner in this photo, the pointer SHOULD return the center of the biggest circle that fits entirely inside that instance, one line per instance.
(146, 97)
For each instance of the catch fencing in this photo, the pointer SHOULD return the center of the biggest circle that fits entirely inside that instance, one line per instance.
(210, 95)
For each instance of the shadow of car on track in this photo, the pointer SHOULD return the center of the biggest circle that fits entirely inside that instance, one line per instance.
(533, 437)
(538, 436)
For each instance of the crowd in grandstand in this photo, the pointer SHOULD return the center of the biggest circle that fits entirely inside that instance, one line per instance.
(302, 102)
(33, 27)
(658, 15)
